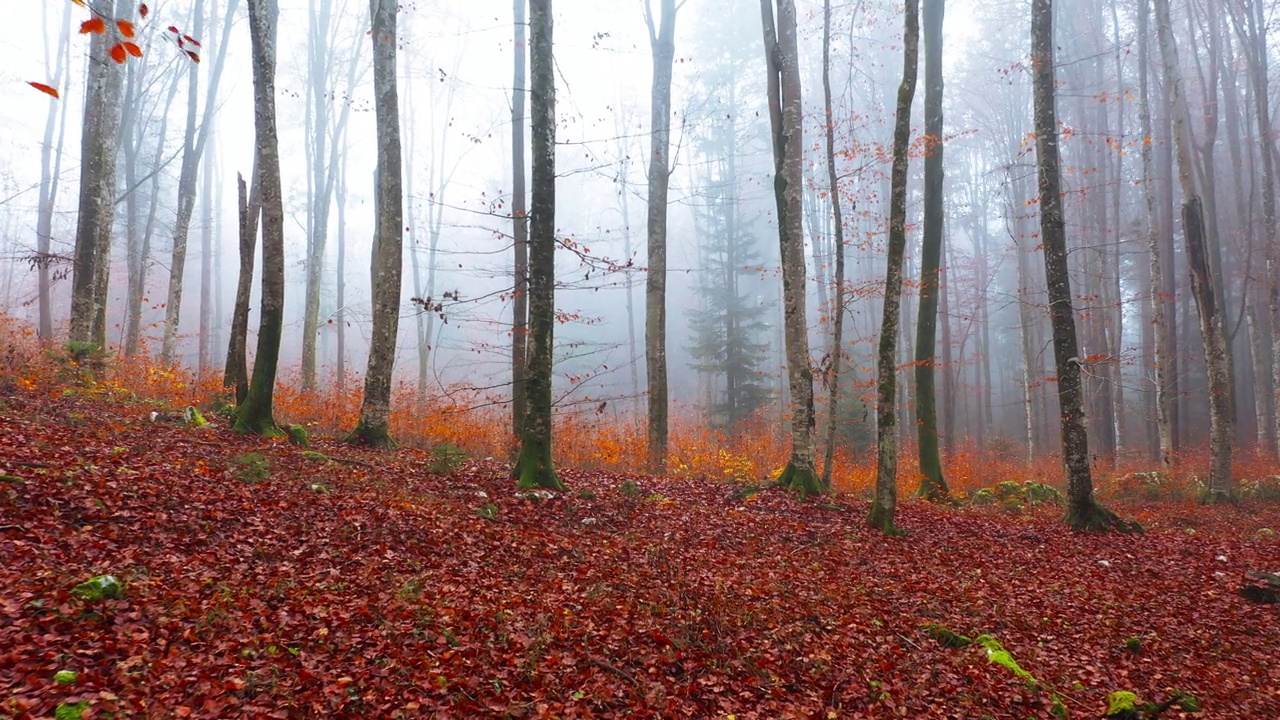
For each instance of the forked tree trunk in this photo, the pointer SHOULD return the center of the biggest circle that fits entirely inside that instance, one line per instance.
(786, 120)
(375, 408)
(235, 375)
(1198, 242)
(533, 467)
(884, 505)
(933, 484)
(1083, 512)
(255, 413)
(662, 45)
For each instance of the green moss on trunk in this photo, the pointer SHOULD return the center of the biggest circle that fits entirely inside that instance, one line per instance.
(1093, 517)
(533, 469)
(881, 518)
(378, 438)
(800, 479)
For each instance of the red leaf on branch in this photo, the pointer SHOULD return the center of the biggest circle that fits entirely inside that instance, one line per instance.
(93, 25)
(125, 27)
(133, 49)
(118, 53)
(143, 10)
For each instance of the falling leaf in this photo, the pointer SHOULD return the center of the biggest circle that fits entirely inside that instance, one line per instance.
(143, 10)
(93, 25)
(118, 53)
(46, 89)
(194, 57)
(191, 40)
(125, 27)
(133, 49)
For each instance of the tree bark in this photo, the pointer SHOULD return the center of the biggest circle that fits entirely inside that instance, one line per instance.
(50, 172)
(785, 119)
(933, 483)
(255, 414)
(1083, 512)
(1198, 243)
(98, 143)
(534, 468)
(520, 228)
(884, 504)
(662, 44)
(375, 408)
(837, 220)
(235, 375)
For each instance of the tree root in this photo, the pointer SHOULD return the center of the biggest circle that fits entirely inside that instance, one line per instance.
(1096, 518)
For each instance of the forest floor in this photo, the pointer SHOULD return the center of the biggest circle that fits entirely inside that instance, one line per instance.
(260, 579)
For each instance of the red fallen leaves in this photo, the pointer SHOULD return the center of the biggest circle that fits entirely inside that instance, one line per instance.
(384, 594)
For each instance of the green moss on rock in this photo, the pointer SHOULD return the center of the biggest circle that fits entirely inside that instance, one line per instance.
(99, 588)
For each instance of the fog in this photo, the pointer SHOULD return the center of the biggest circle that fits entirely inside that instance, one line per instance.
(455, 83)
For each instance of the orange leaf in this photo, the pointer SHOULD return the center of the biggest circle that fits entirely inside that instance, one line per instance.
(93, 25)
(133, 49)
(126, 28)
(194, 57)
(46, 89)
(143, 10)
(118, 53)
(80, 3)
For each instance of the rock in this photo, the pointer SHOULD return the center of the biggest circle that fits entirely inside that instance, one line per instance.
(99, 588)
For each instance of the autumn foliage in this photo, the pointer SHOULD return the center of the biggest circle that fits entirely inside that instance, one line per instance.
(260, 579)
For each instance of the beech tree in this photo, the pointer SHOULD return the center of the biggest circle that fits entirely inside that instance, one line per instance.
(785, 119)
(1083, 511)
(98, 144)
(662, 44)
(933, 484)
(387, 260)
(837, 224)
(256, 413)
(50, 171)
(519, 225)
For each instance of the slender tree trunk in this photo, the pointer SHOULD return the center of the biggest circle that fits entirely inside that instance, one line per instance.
(204, 354)
(534, 468)
(837, 224)
(785, 119)
(520, 229)
(933, 484)
(884, 505)
(103, 90)
(1083, 512)
(1212, 325)
(255, 413)
(50, 172)
(375, 408)
(340, 367)
(196, 139)
(662, 43)
(1159, 305)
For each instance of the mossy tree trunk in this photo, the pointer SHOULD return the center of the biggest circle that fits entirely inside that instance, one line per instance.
(235, 375)
(933, 484)
(375, 408)
(884, 504)
(786, 122)
(533, 467)
(255, 414)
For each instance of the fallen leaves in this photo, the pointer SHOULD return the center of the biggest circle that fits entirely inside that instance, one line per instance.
(387, 596)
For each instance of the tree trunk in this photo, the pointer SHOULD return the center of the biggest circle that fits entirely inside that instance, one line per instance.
(1159, 305)
(340, 193)
(837, 224)
(98, 143)
(375, 408)
(195, 141)
(1083, 512)
(1212, 325)
(884, 505)
(662, 44)
(235, 376)
(50, 172)
(255, 414)
(933, 484)
(534, 468)
(203, 354)
(785, 119)
(520, 230)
